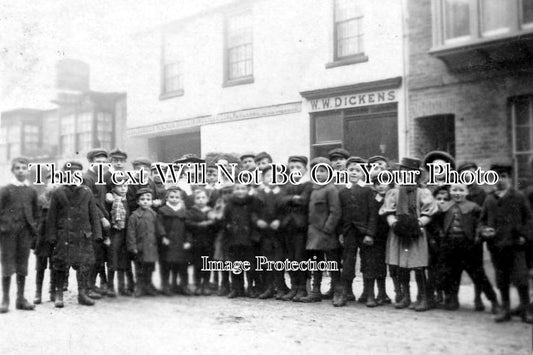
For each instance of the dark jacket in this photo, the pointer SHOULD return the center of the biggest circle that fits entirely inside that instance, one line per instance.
(294, 209)
(267, 208)
(90, 178)
(18, 207)
(238, 221)
(73, 224)
(476, 194)
(470, 213)
(144, 233)
(359, 211)
(324, 215)
(203, 236)
(508, 215)
(43, 249)
(174, 224)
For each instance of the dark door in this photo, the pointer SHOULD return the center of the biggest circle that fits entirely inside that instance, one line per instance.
(374, 134)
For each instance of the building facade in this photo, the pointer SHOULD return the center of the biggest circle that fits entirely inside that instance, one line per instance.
(470, 82)
(287, 77)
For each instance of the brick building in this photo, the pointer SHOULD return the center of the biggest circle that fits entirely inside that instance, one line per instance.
(470, 82)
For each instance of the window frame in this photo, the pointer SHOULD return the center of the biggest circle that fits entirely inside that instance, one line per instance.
(512, 107)
(247, 79)
(164, 63)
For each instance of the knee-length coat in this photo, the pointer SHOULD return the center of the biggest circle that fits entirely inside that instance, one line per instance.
(412, 253)
(73, 224)
(324, 215)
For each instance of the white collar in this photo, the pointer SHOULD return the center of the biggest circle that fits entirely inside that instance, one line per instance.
(20, 183)
(175, 208)
(268, 189)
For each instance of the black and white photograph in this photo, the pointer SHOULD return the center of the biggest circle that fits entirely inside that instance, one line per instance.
(266, 177)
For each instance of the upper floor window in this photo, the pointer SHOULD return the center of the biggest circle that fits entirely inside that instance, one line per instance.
(465, 21)
(32, 139)
(522, 124)
(172, 66)
(239, 49)
(84, 131)
(67, 134)
(104, 130)
(348, 29)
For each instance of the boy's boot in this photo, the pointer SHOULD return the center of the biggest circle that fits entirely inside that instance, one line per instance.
(148, 285)
(58, 303)
(206, 290)
(83, 298)
(315, 295)
(421, 282)
(121, 283)
(111, 284)
(223, 289)
(53, 285)
(39, 278)
(526, 314)
(397, 289)
(363, 297)
(237, 286)
(294, 288)
(165, 286)
(403, 276)
(214, 285)
(370, 298)
(269, 286)
(198, 287)
(90, 284)
(504, 315)
(21, 302)
(139, 285)
(332, 286)
(301, 284)
(340, 298)
(6, 283)
(478, 303)
(281, 285)
(382, 298)
(350, 296)
(184, 281)
(103, 280)
(130, 283)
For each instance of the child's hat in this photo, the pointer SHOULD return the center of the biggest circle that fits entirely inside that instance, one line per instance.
(502, 167)
(441, 188)
(410, 163)
(467, 165)
(355, 160)
(141, 161)
(72, 165)
(97, 152)
(438, 154)
(298, 158)
(338, 153)
(117, 153)
(21, 160)
(247, 155)
(144, 190)
(189, 158)
(262, 156)
(320, 160)
(376, 158)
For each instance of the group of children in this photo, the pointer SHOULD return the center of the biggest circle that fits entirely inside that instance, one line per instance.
(112, 229)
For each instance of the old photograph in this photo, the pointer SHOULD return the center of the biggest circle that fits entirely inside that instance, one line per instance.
(266, 176)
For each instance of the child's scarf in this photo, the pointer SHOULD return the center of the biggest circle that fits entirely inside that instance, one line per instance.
(407, 204)
(118, 212)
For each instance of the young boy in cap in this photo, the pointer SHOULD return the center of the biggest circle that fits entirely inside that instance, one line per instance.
(139, 164)
(118, 159)
(248, 161)
(293, 226)
(73, 224)
(505, 219)
(262, 160)
(19, 211)
(358, 223)
(324, 215)
(144, 231)
(90, 179)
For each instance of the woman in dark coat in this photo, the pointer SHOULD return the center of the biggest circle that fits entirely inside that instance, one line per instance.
(73, 224)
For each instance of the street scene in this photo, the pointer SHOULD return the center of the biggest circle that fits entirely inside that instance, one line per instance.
(282, 176)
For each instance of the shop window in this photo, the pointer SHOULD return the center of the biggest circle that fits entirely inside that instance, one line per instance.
(435, 133)
(527, 13)
(238, 49)
(348, 41)
(172, 70)
(327, 133)
(522, 123)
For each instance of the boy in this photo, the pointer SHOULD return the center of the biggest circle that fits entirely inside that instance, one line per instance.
(247, 161)
(118, 160)
(74, 225)
(293, 226)
(504, 225)
(139, 164)
(358, 223)
(323, 216)
(202, 230)
(267, 221)
(174, 246)
(19, 211)
(118, 255)
(262, 160)
(237, 237)
(142, 238)
(98, 156)
(458, 221)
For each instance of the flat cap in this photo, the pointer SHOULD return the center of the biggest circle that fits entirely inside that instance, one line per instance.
(117, 153)
(142, 161)
(410, 163)
(189, 158)
(21, 160)
(320, 160)
(262, 156)
(338, 152)
(467, 165)
(356, 160)
(299, 158)
(376, 158)
(96, 152)
(144, 190)
(247, 155)
(72, 165)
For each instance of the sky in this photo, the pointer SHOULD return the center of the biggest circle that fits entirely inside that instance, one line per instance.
(34, 35)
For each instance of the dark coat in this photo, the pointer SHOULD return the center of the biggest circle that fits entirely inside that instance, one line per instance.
(509, 215)
(73, 224)
(470, 213)
(144, 233)
(90, 179)
(18, 207)
(238, 221)
(43, 249)
(476, 194)
(294, 210)
(131, 195)
(203, 236)
(359, 211)
(324, 215)
(174, 224)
